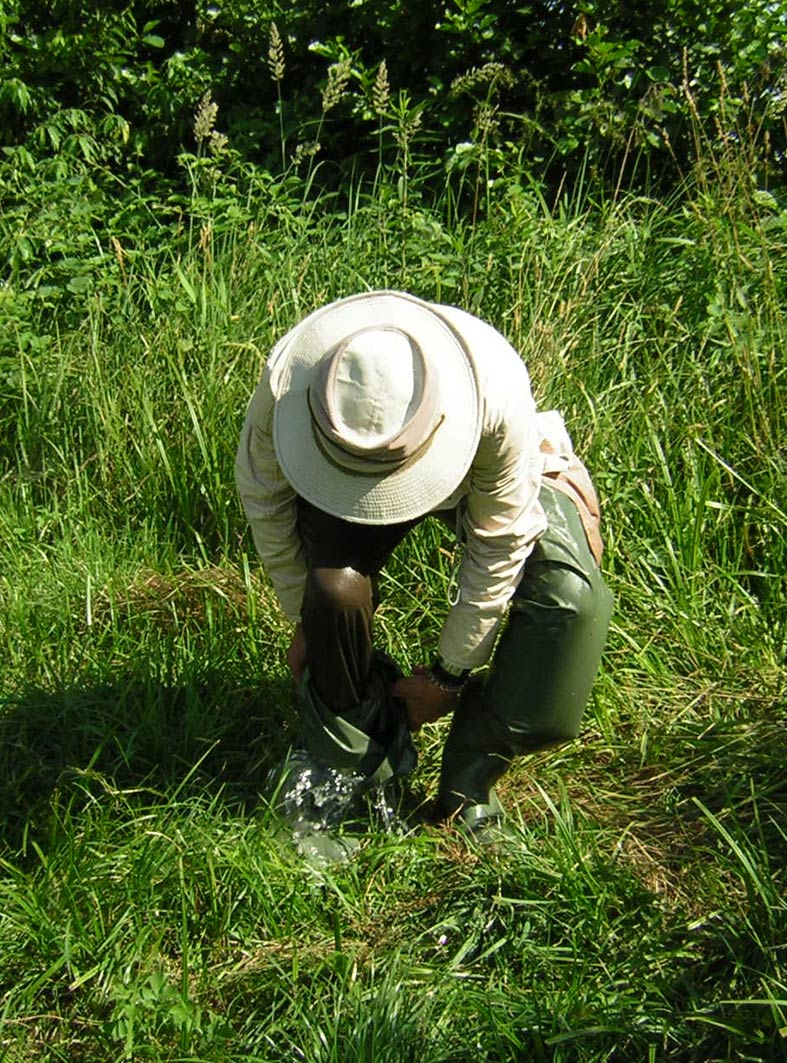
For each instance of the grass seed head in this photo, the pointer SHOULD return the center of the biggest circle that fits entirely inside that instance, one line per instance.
(338, 76)
(217, 144)
(205, 118)
(306, 150)
(275, 53)
(494, 75)
(486, 119)
(381, 93)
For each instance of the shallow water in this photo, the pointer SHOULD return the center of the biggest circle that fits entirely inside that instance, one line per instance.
(321, 803)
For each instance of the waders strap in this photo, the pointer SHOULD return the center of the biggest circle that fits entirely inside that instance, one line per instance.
(576, 484)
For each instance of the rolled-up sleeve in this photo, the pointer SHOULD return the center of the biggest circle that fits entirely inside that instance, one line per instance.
(269, 502)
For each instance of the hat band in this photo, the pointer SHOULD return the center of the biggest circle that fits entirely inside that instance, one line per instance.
(377, 463)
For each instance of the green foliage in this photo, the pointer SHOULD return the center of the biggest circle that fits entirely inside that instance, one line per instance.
(150, 905)
(602, 84)
(656, 70)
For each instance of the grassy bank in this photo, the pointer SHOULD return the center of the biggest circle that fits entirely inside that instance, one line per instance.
(149, 906)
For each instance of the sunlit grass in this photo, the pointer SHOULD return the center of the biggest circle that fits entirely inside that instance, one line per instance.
(150, 906)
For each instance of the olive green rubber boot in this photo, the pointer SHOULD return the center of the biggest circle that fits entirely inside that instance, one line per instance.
(543, 668)
(476, 753)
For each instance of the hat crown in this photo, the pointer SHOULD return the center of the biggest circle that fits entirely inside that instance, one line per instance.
(377, 385)
(377, 407)
(373, 401)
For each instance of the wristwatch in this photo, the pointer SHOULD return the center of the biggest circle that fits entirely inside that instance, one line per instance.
(451, 680)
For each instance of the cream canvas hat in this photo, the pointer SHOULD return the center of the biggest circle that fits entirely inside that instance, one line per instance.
(378, 412)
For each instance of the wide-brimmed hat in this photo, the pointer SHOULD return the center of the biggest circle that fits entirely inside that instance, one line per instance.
(378, 412)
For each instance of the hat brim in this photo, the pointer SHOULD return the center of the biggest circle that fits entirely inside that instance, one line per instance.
(413, 489)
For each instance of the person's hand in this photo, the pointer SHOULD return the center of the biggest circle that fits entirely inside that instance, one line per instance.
(424, 700)
(296, 654)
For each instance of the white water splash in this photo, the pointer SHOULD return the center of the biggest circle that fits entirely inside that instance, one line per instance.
(320, 803)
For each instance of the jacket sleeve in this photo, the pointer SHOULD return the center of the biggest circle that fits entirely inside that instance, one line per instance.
(270, 502)
(501, 520)
(501, 515)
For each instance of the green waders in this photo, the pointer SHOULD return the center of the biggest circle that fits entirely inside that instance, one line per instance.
(542, 669)
(350, 721)
(372, 739)
(534, 695)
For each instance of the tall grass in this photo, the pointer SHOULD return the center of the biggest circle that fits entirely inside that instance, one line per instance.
(151, 906)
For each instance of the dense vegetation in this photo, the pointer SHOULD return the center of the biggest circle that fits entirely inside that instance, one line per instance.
(546, 83)
(607, 191)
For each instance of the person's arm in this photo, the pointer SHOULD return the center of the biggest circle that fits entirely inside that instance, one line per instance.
(270, 502)
(501, 521)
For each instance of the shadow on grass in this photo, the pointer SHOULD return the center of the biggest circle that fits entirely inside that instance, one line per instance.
(139, 733)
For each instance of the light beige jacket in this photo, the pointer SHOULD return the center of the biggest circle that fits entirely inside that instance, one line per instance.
(497, 501)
